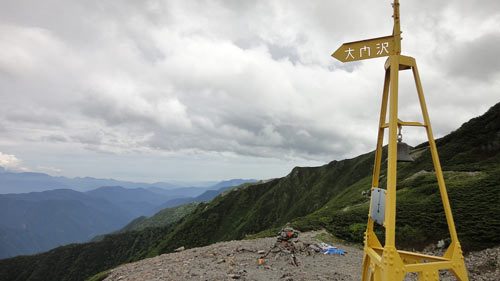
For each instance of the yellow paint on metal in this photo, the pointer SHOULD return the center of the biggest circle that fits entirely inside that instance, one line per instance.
(365, 49)
(396, 32)
(386, 263)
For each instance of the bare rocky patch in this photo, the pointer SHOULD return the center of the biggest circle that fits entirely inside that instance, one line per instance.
(239, 260)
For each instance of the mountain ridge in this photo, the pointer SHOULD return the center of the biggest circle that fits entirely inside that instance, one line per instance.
(24, 182)
(39, 221)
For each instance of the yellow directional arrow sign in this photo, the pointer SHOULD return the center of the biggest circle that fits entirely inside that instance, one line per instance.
(366, 49)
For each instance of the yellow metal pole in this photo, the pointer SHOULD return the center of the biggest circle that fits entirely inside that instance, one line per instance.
(371, 239)
(435, 158)
(397, 28)
(454, 252)
(381, 129)
(390, 209)
(392, 267)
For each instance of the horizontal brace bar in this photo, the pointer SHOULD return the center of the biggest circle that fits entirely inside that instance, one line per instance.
(403, 123)
(422, 256)
(418, 267)
(416, 124)
(413, 255)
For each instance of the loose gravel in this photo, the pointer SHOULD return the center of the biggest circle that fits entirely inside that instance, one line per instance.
(239, 260)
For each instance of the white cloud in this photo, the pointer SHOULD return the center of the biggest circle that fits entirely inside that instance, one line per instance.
(241, 78)
(49, 170)
(11, 162)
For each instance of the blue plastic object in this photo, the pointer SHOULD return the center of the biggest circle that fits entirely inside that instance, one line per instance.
(335, 251)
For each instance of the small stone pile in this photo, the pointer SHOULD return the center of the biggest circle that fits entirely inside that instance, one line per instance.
(289, 244)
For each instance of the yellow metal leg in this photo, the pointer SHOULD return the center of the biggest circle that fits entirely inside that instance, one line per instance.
(454, 253)
(435, 157)
(366, 275)
(381, 130)
(371, 240)
(377, 275)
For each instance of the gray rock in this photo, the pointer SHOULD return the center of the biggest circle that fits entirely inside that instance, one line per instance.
(180, 249)
(315, 248)
(440, 244)
(234, 276)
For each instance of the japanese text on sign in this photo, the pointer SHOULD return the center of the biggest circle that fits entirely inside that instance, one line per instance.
(366, 49)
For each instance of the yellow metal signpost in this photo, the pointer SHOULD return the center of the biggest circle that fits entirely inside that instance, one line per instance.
(386, 263)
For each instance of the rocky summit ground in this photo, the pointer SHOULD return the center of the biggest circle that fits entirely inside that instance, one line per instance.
(239, 260)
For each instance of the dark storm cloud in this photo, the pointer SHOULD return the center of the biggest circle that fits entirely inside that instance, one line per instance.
(281, 142)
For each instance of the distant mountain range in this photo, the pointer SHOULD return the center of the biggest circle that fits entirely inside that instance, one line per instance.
(38, 221)
(208, 195)
(23, 182)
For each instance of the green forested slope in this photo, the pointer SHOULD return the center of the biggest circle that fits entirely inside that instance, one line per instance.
(80, 261)
(164, 217)
(248, 210)
(328, 196)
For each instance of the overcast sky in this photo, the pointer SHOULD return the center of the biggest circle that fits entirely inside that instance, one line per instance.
(212, 90)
